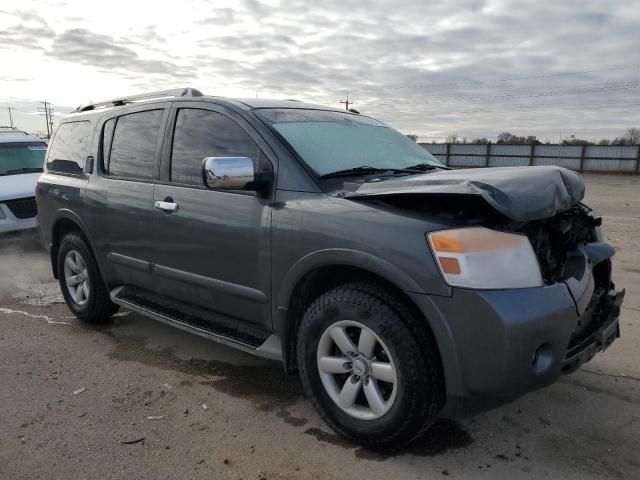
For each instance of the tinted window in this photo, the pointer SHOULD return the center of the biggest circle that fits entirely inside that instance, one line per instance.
(67, 152)
(134, 144)
(202, 133)
(107, 136)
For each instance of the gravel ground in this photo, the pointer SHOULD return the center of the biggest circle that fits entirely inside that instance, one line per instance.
(138, 399)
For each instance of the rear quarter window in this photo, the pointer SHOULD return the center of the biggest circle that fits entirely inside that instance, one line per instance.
(67, 153)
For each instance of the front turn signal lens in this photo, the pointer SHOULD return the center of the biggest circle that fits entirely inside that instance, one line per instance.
(478, 257)
(450, 265)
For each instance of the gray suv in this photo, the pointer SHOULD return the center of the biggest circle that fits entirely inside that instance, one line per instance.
(397, 288)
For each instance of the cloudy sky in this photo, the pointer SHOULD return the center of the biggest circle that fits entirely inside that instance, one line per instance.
(476, 68)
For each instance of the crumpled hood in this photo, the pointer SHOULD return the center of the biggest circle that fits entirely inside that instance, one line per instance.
(519, 193)
(18, 186)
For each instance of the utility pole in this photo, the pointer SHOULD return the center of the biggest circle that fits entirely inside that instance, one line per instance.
(347, 102)
(10, 117)
(50, 120)
(46, 118)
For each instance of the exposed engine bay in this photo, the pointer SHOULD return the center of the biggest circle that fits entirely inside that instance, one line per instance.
(552, 238)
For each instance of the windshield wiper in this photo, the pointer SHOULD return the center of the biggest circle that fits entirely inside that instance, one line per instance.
(427, 166)
(366, 169)
(23, 170)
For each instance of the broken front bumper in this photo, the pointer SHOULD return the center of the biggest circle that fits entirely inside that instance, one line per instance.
(499, 344)
(599, 340)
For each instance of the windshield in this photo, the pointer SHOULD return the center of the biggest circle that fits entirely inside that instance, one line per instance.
(333, 141)
(17, 158)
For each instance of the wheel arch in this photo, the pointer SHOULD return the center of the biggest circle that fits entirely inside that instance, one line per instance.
(321, 271)
(66, 221)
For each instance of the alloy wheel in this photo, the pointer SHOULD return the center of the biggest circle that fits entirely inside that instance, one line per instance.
(76, 277)
(357, 370)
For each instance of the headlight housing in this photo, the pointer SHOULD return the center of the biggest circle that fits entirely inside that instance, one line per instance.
(477, 257)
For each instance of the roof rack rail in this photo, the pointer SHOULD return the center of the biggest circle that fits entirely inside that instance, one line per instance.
(118, 102)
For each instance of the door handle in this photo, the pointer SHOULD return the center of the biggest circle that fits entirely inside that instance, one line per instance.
(166, 206)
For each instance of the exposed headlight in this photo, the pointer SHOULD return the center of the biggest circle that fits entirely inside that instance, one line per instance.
(478, 257)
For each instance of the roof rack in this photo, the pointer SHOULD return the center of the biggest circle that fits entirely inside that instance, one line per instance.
(118, 102)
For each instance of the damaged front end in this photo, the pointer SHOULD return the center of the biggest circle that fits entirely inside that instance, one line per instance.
(566, 238)
(570, 249)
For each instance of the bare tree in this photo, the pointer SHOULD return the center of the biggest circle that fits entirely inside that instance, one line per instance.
(632, 136)
(506, 137)
(604, 141)
(413, 136)
(576, 141)
(480, 141)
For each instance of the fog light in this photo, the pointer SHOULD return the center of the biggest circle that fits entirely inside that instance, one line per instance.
(542, 359)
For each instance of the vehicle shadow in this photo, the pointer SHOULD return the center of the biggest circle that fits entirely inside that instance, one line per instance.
(240, 375)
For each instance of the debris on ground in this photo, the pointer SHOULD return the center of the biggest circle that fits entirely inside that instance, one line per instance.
(79, 391)
(155, 417)
(204, 405)
(226, 461)
(135, 440)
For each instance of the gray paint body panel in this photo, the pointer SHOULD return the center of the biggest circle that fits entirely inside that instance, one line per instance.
(241, 256)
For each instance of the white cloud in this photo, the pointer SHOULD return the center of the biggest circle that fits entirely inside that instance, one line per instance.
(425, 67)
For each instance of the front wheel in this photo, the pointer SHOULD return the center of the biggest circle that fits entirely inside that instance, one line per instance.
(368, 366)
(80, 281)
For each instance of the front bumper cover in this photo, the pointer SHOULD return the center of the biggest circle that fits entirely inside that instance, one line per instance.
(602, 338)
(500, 344)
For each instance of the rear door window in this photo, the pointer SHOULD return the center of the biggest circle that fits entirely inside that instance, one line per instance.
(134, 145)
(67, 153)
(203, 133)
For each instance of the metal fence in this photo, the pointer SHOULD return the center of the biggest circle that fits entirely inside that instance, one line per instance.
(587, 158)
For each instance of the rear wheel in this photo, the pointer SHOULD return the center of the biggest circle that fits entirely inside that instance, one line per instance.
(368, 366)
(80, 281)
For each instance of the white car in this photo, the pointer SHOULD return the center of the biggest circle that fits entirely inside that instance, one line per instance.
(21, 160)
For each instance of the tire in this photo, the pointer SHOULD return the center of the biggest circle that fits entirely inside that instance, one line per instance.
(411, 389)
(88, 299)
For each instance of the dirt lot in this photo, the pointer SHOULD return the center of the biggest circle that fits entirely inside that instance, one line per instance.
(229, 415)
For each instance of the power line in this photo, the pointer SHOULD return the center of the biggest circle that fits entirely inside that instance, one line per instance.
(584, 106)
(499, 80)
(608, 87)
(552, 105)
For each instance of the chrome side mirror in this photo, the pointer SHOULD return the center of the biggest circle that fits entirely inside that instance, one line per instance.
(227, 173)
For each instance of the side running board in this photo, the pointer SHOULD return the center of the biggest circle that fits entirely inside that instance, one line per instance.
(195, 320)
